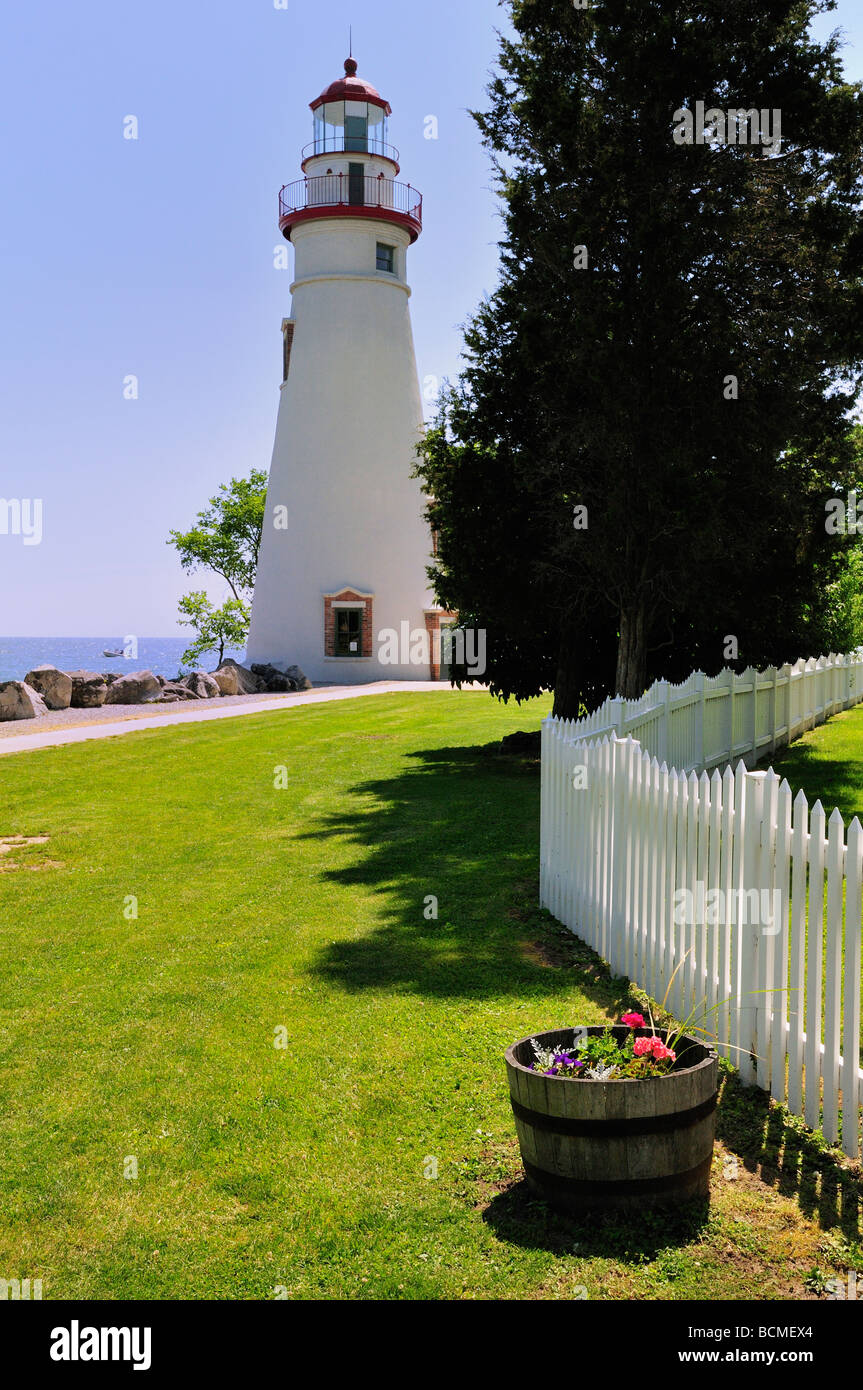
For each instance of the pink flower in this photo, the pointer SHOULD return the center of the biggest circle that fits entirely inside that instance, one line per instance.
(653, 1047)
(633, 1020)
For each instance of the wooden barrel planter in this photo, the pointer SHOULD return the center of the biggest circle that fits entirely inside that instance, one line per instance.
(612, 1145)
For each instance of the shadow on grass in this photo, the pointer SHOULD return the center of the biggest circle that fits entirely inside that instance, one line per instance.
(779, 1149)
(518, 1217)
(457, 834)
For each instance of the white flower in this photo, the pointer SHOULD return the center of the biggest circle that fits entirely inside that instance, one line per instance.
(602, 1073)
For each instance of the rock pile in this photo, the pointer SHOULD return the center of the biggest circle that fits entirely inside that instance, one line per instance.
(280, 682)
(47, 688)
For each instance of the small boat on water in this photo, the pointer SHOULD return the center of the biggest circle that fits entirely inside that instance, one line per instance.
(107, 653)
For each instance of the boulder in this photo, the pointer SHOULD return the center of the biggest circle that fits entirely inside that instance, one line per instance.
(227, 680)
(54, 686)
(202, 685)
(173, 692)
(248, 683)
(109, 677)
(88, 689)
(299, 678)
(138, 688)
(272, 679)
(18, 700)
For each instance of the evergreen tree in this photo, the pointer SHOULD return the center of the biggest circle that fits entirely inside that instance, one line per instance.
(655, 404)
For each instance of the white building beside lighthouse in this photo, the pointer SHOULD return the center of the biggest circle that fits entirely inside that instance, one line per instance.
(345, 546)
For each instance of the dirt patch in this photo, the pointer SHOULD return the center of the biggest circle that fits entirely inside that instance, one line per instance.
(10, 844)
(544, 953)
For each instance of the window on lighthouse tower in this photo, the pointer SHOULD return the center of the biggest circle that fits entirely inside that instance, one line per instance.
(386, 258)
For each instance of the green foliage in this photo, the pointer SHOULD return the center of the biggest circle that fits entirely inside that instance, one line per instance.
(225, 540)
(227, 536)
(834, 620)
(604, 387)
(217, 629)
(603, 1050)
(843, 604)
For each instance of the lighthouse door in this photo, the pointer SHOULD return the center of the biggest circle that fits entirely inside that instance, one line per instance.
(356, 185)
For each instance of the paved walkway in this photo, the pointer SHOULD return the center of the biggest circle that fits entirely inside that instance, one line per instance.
(158, 717)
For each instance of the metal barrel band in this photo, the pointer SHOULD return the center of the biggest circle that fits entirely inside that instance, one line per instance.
(577, 1188)
(615, 1129)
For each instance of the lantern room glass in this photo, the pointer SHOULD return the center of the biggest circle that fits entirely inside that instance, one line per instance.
(355, 127)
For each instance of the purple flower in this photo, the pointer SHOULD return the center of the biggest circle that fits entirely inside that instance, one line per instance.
(551, 1072)
(563, 1059)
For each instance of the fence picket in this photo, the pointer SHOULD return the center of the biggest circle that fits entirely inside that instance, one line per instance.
(852, 1091)
(712, 931)
(755, 937)
(797, 952)
(833, 976)
(814, 973)
(766, 939)
(779, 982)
(726, 880)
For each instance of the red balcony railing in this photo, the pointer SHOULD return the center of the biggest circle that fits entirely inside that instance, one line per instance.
(341, 194)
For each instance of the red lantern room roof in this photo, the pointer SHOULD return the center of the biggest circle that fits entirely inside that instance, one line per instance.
(351, 88)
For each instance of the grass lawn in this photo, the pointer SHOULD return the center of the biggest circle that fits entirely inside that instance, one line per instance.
(372, 1156)
(828, 764)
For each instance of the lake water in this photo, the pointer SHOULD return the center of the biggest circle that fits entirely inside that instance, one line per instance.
(161, 655)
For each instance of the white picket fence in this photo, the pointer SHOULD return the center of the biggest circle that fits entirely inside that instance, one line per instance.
(756, 895)
(708, 721)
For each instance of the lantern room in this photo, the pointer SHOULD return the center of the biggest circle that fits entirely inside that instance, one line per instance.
(351, 117)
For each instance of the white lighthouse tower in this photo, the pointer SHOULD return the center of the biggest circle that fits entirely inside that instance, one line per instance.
(345, 546)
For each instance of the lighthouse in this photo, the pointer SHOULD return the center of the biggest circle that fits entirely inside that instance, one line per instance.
(342, 589)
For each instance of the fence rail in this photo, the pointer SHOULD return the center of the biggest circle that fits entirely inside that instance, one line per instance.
(725, 878)
(708, 721)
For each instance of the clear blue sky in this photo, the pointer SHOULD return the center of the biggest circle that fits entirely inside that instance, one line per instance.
(154, 257)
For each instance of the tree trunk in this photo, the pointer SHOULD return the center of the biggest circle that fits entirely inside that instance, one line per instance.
(569, 681)
(631, 678)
